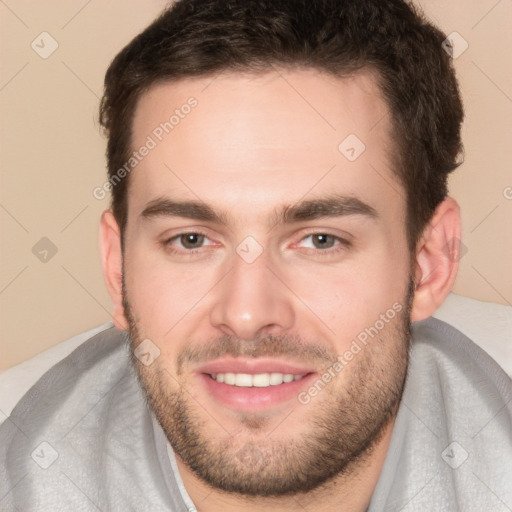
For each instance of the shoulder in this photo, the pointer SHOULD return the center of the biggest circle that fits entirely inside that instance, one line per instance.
(456, 359)
(95, 364)
(452, 441)
(80, 421)
(451, 447)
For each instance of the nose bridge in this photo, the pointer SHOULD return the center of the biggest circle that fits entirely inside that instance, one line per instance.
(251, 299)
(250, 281)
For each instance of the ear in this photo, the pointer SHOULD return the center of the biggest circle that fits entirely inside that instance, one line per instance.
(112, 263)
(437, 260)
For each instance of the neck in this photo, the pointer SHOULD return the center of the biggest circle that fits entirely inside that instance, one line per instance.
(351, 491)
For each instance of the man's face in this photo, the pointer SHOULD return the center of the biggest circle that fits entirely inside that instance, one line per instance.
(262, 247)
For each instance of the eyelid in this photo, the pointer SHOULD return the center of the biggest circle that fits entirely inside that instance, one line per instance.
(166, 240)
(338, 239)
(342, 241)
(171, 233)
(342, 236)
(191, 232)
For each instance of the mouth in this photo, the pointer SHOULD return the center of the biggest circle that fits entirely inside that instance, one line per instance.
(254, 385)
(260, 380)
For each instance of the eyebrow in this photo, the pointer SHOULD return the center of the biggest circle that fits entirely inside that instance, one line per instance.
(189, 209)
(331, 206)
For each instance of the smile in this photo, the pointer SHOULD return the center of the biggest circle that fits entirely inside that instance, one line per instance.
(259, 380)
(254, 384)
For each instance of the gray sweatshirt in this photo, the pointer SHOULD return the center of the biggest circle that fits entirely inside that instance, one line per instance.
(84, 439)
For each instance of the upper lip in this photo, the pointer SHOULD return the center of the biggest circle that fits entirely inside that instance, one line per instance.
(253, 366)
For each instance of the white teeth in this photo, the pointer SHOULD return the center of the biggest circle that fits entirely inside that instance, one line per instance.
(229, 378)
(276, 378)
(244, 380)
(260, 380)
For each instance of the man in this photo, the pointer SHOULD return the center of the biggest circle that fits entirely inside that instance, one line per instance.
(279, 218)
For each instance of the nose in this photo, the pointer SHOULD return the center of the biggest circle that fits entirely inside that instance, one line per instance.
(251, 301)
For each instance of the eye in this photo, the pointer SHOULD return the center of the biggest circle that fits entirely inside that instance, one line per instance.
(320, 241)
(191, 240)
(187, 242)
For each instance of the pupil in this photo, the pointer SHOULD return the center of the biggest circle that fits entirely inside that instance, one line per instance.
(192, 240)
(323, 241)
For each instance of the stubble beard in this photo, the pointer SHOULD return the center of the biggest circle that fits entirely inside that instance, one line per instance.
(343, 427)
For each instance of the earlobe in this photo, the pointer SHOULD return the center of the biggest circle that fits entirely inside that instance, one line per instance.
(112, 263)
(437, 260)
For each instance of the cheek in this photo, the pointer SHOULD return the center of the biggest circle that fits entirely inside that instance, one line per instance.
(153, 292)
(345, 299)
(165, 298)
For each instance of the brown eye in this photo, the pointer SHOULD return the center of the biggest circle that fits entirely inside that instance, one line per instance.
(323, 241)
(192, 240)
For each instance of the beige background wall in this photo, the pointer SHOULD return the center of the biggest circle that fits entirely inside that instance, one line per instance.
(52, 158)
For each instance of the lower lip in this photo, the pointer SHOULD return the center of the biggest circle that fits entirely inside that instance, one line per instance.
(254, 398)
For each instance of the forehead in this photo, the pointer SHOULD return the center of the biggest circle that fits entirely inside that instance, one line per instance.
(266, 138)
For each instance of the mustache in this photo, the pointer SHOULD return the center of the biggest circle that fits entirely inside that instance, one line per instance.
(268, 346)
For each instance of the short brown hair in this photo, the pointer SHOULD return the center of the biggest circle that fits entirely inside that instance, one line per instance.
(194, 38)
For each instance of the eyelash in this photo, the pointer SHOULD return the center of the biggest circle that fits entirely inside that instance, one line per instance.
(341, 245)
(167, 243)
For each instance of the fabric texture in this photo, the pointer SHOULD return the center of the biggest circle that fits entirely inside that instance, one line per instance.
(83, 437)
